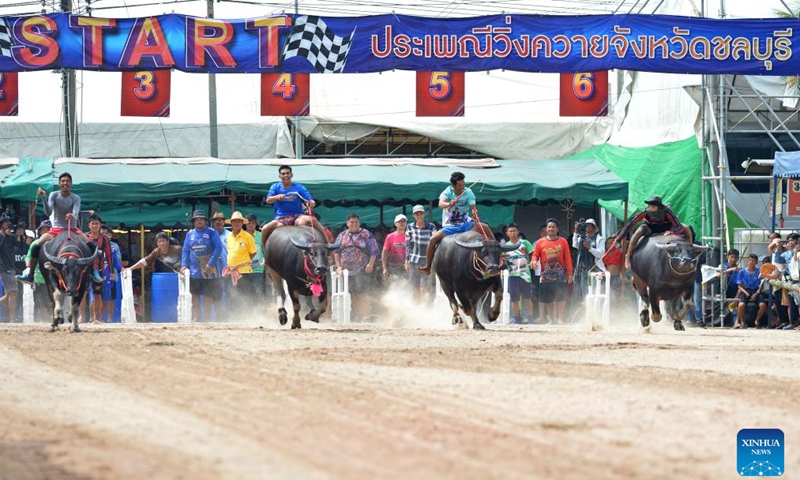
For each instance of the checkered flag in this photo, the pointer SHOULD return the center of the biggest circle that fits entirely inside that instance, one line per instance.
(6, 40)
(313, 40)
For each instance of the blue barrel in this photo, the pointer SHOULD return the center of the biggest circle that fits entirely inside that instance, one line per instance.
(164, 304)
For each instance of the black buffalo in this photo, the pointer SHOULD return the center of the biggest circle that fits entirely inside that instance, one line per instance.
(468, 266)
(65, 265)
(300, 256)
(664, 268)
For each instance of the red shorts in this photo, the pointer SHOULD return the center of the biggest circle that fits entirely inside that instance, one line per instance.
(289, 221)
(56, 230)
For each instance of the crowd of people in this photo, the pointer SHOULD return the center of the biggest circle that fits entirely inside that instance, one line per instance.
(224, 258)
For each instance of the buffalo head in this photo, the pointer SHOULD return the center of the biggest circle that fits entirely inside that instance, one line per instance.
(70, 271)
(316, 252)
(488, 258)
(683, 257)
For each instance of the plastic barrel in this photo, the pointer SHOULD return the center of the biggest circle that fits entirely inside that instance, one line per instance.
(118, 301)
(164, 303)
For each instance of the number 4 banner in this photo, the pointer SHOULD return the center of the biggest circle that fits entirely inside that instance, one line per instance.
(285, 94)
(146, 93)
(440, 94)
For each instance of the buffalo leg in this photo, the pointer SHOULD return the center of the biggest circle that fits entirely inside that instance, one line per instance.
(498, 299)
(295, 295)
(451, 298)
(470, 310)
(314, 314)
(644, 314)
(72, 312)
(655, 307)
(277, 281)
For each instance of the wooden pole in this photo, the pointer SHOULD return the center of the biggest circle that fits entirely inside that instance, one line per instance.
(141, 252)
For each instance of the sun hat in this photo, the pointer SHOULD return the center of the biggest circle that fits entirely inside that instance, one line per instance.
(590, 221)
(198, 214)
(418, 208)
(237, 215)
(655, 200)
(400, 218)
(218, 215)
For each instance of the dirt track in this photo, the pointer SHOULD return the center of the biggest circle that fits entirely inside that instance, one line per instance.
(374, 402)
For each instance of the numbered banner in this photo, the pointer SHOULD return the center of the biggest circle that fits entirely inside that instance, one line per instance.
(440, 94)
(285, 94)
(584, 94)
(793, 198)
(9, 94)
(146, 93)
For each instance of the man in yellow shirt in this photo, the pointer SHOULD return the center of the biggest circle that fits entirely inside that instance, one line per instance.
(241, 250)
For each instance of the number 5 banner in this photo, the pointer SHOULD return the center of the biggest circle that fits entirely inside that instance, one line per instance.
(285, 94)
(584, 94)
(146, 93)
(440, 94)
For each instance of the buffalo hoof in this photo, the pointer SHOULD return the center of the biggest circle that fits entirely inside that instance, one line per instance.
(456, 319)
(644, 318)
(313, 316)
(75, 329)
(492, 315)
(297, 326)
(678, 325)
(282, 316)
(478, 326)
(53, 327)
(656, 317)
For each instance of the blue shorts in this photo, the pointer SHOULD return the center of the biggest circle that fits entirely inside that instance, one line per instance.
(464, 227)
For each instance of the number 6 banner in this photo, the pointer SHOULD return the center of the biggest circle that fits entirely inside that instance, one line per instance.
(584, 94)
(146, 93)
(440, 94)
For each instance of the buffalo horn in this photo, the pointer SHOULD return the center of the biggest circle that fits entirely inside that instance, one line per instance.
(509, 247)
(472, 244)
(333, 246)
(666, 246)
(52, 259)
(303, 246)
(82, 262)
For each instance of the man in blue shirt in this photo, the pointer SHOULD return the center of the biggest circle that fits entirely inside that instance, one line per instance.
(458, 205)
(748, 283)
(201, 249)
(288, 199)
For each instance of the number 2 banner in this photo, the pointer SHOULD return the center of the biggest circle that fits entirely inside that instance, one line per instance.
(9, 94)
(146, 93)
(440, 94)
(285, 94)
(584, 94)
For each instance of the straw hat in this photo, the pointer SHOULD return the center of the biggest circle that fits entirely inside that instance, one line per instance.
(237, 215)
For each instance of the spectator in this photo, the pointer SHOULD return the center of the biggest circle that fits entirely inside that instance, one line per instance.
(8, 245)
(748, 284)
(519, 276)
(166, 257)
(241, 251)
(591, 248)
(614, 267)
(393, 256)
(109, 292)
(357, 253)
(556, 262)
(201, 247)
(41, 300)
(258, 261)
(418, 235)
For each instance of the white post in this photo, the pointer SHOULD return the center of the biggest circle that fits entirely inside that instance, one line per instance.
(340, 297)
(184, 298)
(27, 303)
(598, 298)
(505, 305)
(128, 312)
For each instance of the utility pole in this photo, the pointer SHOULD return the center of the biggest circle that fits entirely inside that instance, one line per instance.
(212, 101)
(298, 134)
(68, 102)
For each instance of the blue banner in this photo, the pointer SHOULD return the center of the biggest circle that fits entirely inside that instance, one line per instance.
(308, 44)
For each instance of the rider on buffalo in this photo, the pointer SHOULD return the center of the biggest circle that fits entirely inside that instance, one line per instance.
(655, 218)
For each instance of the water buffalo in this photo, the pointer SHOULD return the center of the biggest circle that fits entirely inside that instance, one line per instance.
(64, 265)
(298, 255)
(664, 268)
(468, 266)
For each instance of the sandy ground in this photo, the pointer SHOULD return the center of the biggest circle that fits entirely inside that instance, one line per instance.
(404, 401)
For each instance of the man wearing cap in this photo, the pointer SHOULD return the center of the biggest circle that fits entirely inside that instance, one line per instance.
(656, 218)
(393, 256)
(591, 248)
(418, 236)
(241, 251)
(165, 258)
(8, 244)
(288, 199)
(201, 250)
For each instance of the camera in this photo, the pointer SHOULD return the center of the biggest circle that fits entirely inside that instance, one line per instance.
(581, 228)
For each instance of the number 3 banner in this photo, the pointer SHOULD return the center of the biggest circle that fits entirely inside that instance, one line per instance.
(146, 93)
(285, 94)
(440, 94)
(584, 94)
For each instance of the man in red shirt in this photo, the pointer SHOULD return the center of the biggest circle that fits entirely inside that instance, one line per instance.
(393, 256)
(556, 262)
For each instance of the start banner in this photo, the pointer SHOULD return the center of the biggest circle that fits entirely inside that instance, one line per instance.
(312, 44)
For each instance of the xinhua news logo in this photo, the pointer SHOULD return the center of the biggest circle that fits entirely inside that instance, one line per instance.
(760, 452)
